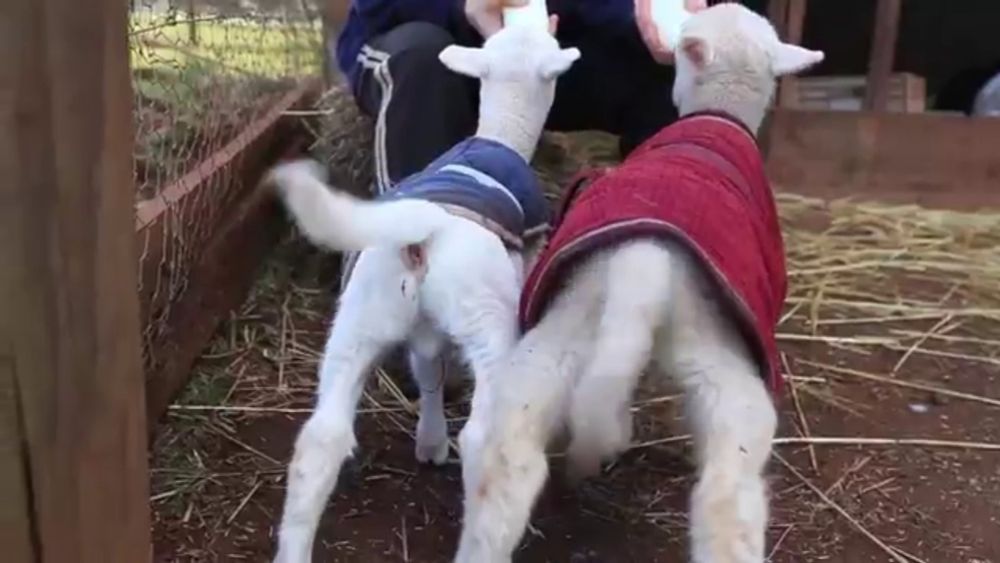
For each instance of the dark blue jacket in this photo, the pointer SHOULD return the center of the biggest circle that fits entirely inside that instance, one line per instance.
(488, 179)
(613, 19)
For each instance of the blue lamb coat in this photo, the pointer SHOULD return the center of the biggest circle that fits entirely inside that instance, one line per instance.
(487, 179)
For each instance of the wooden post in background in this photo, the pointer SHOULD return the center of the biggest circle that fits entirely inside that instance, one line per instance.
(883, 54)
(795, 21)
(788, 18)
(777, 12)
(73, 470)
(192, 22)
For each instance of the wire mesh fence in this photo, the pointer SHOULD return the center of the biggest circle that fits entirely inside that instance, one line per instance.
(202, 72)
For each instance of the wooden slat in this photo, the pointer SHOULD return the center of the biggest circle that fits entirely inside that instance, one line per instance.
(15, 485)
(70, 371)
(777, 12)
(928, 159)
(883, 54)
(907, 93)
(795, 21)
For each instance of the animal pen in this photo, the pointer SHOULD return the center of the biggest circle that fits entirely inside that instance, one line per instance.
(151, 288)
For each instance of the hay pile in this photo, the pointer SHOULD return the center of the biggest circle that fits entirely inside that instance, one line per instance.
(870, 270)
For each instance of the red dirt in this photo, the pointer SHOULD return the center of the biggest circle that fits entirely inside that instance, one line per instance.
(938, 505)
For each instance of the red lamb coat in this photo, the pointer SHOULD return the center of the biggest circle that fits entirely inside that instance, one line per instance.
(699, 182)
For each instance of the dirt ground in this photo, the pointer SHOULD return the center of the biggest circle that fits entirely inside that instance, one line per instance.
(879, 350)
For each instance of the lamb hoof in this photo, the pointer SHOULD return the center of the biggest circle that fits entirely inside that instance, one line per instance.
(434, 454)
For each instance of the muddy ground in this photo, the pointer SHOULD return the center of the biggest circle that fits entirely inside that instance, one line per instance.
(220, 454)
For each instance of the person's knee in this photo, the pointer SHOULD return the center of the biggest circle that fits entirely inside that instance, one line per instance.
(417, 45)
(650, 110)
(427, 35)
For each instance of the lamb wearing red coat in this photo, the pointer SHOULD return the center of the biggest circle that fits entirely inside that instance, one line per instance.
(674, 259)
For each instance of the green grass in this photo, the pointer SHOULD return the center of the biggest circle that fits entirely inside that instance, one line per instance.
(191, 96)
(257, 47)
(233, 63)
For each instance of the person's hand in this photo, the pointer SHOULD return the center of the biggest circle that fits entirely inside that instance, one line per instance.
(651, 34)
(487, 15)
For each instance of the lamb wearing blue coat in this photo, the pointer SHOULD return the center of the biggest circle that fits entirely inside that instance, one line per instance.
(441, 259)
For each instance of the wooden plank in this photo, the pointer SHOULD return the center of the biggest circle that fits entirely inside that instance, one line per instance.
(907, 93)
(883, 54)
(795, 21)
(777, 12)
(927, 159)
(71, 376)
(224, 273)
(15, 484)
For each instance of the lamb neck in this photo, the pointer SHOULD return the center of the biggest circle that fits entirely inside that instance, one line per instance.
(745, 103)
(513, 125)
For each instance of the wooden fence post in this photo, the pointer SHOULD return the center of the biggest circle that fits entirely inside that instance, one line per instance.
(883, 54)
(788, 18)
(777, 12)
(192, 13)
(795, 21)
(73, 470)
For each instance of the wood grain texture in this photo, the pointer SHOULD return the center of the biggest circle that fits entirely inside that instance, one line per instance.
(795, 21)
(777, 12)
(907, 93)
(928, 159)
(72, 383)
(883, 54)
(15, 507)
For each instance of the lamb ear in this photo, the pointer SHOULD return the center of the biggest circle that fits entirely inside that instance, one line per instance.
(698, 51)
(791, 59)
(465, 60)
(558, 62)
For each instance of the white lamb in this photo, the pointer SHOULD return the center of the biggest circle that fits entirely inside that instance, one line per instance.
(431, 269)
(644, 300)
